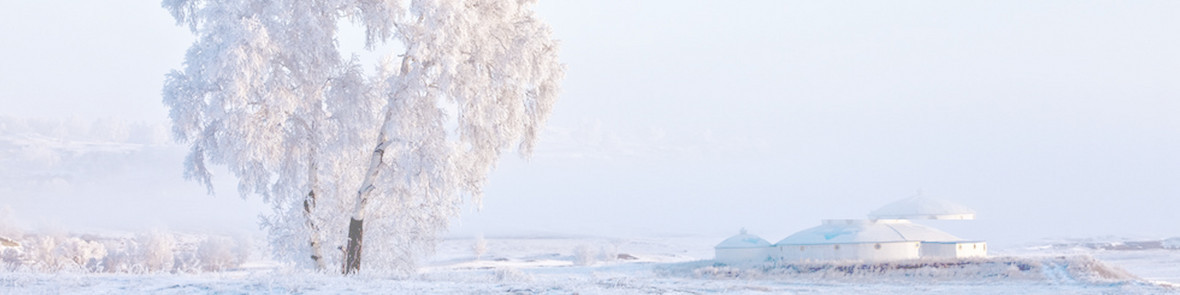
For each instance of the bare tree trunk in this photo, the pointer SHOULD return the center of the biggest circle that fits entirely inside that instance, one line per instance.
(316, 253)
(352, 260)
(356, 231)
(309, 204)
(356, 235)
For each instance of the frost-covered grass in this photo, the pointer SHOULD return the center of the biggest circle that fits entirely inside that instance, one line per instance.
(1059, 269)
(657, 266)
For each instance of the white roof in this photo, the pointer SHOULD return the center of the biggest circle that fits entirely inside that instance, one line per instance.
(853, 231)
(923, 208)
(743, 240)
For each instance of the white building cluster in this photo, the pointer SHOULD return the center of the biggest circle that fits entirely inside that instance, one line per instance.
(888, 234)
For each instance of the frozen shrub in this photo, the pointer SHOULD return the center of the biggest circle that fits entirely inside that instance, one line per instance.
(219, 253)
(79, 253)
(186, 258)
(583, 255)
(41, 254)
(150, 252)
(186, 262)
(590, 254)
(11, 258)
(157, 251)
(245, 246)
(712, 272)
(1061, 269)
(608, 253)
(1092, 270)
(121, 256)
(10, 255)
(57, 253)
(509, 274)
(479, 247)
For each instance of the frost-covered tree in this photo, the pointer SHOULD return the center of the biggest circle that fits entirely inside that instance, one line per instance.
(266, 92)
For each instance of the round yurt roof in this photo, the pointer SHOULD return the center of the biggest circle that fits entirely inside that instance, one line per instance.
(743, 240)
(923, 208)
(854, 231)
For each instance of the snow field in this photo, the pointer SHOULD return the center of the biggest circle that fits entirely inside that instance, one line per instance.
(670, 265)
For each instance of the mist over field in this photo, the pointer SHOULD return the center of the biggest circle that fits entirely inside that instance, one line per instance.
(677, 124)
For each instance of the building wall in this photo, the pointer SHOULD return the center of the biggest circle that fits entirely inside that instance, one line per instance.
(939, 250)
(858, 251)
(954, 249)
(742, 255)
(972, 249)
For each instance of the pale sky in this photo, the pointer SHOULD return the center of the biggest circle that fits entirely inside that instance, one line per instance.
(1049, 118)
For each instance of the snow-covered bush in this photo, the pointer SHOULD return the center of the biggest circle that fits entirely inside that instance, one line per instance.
(1051, 269)
(219, 253)
(608, 253)
(157, 252)
(584, 255)
(726, 272)
(122, 256)
(186, 261)
(511, 274)
(56, 253)
(10, 254)
(1088, 269)
(10, 259)
(87, 255)
(587, 254)
(479, 247)
(40, 254)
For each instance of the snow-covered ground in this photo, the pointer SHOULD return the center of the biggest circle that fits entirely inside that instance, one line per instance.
(1150, 260)
(45, 167)
(664, 265)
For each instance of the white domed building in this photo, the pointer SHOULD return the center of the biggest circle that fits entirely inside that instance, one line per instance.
(887, 235)
(743, 248)
(873, 240)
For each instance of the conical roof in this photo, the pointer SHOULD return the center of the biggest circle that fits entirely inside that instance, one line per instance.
(743, 240)
(920, 207)
(852, 231)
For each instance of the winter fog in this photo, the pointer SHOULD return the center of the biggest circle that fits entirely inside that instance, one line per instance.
(1051, 119)
(1054, 118)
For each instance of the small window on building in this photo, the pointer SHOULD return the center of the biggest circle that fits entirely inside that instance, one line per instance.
(974, 246)
(877, 246)
(837, 247)
(960, 247)
(917, 245)
(801, 248)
